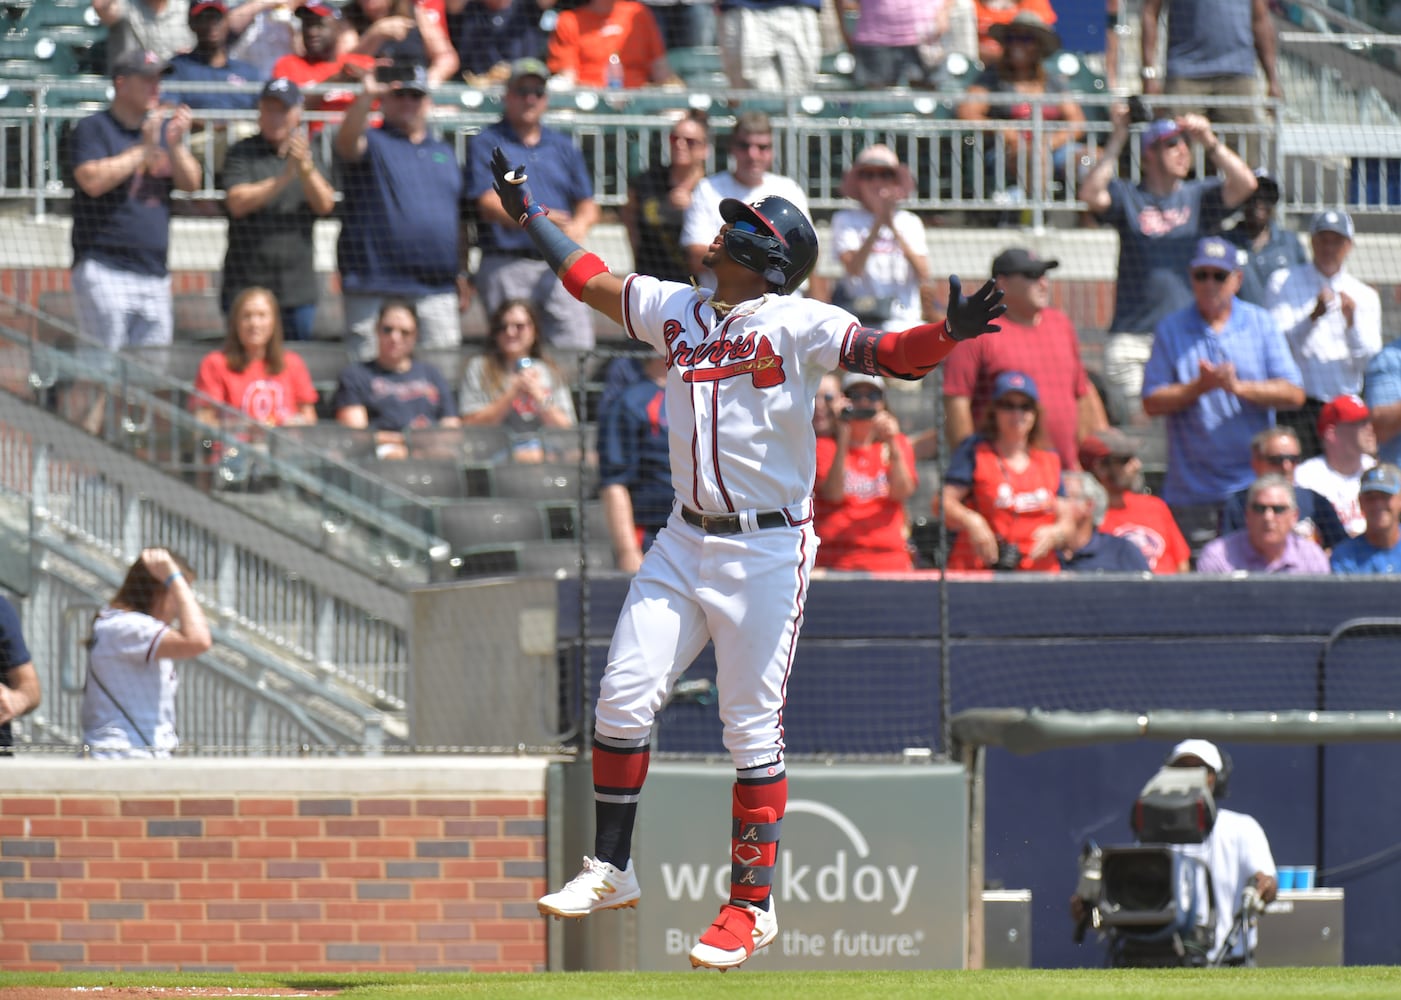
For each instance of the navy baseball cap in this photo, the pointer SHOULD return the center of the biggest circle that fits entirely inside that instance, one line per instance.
(138, 63)
(283, 90)
(1383, 478)
(1015, 382)
(1020, 260)
(1217, 252)
(1160, 129)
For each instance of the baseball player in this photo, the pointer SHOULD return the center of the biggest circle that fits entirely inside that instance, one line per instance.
(744, 363)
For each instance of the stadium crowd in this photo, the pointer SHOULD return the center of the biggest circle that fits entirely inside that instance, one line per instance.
(1260, 358)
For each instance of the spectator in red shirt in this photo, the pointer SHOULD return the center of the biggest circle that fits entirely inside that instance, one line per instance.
(321, 32)
(252, 372)
(1144, 520)
(865, 473)
(1036, 340)
(586, 40)
(1001, 491)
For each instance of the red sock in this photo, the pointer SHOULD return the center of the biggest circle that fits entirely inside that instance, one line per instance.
(619, 769)
(757, 807)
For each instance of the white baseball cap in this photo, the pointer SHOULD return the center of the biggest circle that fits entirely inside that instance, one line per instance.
(1204, 750)
(850, 379)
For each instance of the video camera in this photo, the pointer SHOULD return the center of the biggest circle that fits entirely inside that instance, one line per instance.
(1152, 902)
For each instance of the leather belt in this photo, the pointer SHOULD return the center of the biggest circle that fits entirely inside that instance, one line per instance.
(729, 524)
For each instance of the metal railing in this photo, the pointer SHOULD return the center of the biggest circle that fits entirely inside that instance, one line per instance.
(958, 165)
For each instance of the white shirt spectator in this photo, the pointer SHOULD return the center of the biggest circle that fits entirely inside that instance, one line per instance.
(1316, 474)
(129, 697)
(1331, 354)
(703, 217)
(888, 273)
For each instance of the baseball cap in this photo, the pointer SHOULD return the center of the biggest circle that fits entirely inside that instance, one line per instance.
(284, 90)
(850, 379)
(414, 81)
(1217, 252)
(1014, 382)
(1266, 187)
(1108, 443)
(1204, 750)
(1160, 129)
(1383, 478)
(315, 8)
(1332, 220)
(1019, 260)
(528, 67)
(1342, 410)
(138, 63)
(196, 9)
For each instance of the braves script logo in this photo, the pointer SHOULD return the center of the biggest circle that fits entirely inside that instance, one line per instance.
(725, 358)
(1154, 221)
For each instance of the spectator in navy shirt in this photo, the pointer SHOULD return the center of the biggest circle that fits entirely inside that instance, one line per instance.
(511, 267)
(492, 34)
(635, 465)
(19, 682)
(399, 212)
(395, 391)
(1269, 247)
(1159, 222)
(209, 62)
(1089, 550)
(125, 162)
(1276, 451)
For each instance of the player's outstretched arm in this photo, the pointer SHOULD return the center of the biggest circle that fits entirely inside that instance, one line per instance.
(913, 353)
(585, 275)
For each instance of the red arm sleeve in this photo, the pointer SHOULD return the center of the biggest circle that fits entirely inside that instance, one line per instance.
(913, 353)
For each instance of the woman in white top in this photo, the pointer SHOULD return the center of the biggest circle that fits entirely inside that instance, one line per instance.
(885, 262)
(129, 695)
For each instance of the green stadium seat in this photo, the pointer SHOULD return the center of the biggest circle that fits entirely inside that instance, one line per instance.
(49, 58)
(699, 66)
(60, 13)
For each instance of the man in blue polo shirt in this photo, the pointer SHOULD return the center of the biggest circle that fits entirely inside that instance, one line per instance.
(511, 267)
(1218, 371)
(399, 212)
(1378, 548)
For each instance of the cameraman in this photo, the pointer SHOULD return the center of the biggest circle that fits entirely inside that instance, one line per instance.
(865, 473)
(1236, 853)
(1002, 489)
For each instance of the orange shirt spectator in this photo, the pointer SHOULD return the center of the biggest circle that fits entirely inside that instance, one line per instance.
(992, 12)
(586, 38)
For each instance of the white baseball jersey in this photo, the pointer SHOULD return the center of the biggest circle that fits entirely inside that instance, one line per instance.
(703, 217)
(739, 390)
(123, 657)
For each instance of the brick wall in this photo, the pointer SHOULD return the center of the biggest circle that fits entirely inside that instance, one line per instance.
(402, 864)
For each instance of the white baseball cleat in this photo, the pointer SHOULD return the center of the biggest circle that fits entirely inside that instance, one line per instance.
(738, 932)
(599, 886)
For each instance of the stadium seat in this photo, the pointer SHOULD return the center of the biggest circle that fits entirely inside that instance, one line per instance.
(350, 444)
(543, 481)
(568, 444)
(479, 522)
(562, 558)
(699, 66)
(428, 478)
(470, 445)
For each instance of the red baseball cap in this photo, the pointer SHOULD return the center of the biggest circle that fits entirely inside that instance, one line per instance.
(1342, 410)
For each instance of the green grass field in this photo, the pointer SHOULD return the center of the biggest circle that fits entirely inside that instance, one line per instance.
(1223, 984)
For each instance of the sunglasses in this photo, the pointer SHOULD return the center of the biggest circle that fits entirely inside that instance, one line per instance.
(1273, 508)
(1217, 276)
(879, 173)
(682, 140)
(1281, 460)
(1172, 142)
(866, 395)
(1008, 404)
(528, 91)
(1020, 39)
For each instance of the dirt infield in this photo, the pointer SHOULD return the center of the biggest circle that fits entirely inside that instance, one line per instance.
(153, 992)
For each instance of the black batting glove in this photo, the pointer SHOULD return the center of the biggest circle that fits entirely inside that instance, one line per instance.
(512, 189)
(973, 316)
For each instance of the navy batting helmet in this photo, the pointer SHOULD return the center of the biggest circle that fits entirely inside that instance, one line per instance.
(771, 236)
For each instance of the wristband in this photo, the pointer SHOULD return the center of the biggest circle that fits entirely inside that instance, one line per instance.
(531, 211)
(173, 577)
(579, 273)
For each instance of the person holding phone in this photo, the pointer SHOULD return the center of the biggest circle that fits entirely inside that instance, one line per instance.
(865, 473)
(514, 384)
